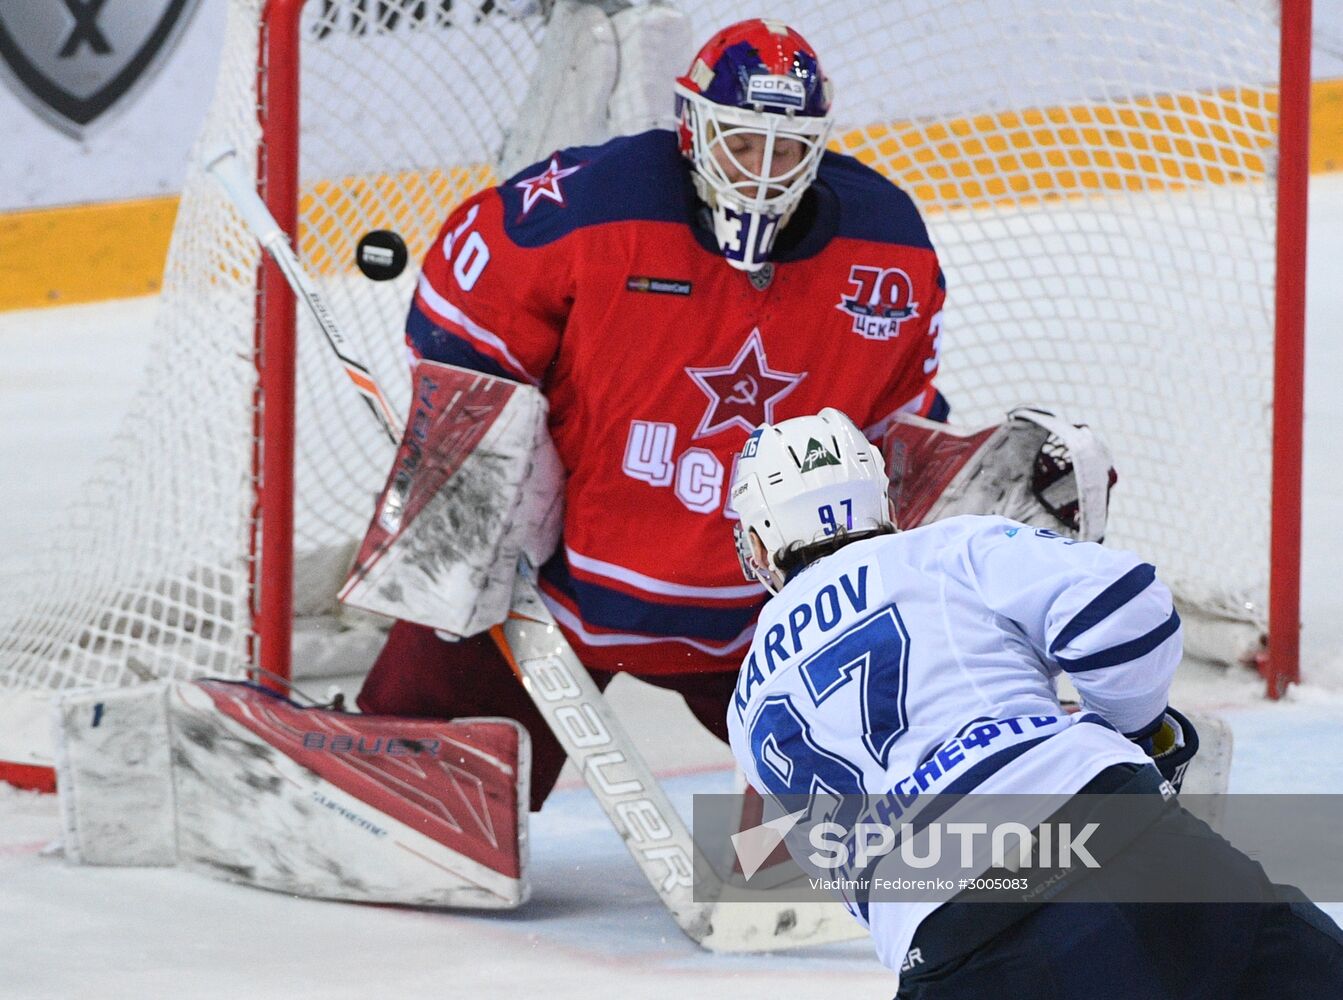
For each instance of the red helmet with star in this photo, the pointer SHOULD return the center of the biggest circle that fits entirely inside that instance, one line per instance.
(753, 115)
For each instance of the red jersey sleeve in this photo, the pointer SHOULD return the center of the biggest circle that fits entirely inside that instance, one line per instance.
(486, 303)
(911, 388)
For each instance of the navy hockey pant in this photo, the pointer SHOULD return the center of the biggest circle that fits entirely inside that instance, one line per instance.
(1136, 951)
(1287, 949)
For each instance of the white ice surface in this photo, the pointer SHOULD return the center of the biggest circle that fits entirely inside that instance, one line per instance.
(592, 927)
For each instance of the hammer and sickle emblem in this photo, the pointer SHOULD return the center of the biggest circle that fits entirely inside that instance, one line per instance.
(744, 390)
(86, 30)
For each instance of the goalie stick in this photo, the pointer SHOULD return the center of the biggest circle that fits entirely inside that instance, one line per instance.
(564, 692)
(224, 166)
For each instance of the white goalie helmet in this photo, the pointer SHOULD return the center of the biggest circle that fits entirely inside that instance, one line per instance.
(803, 481)
(761, 81)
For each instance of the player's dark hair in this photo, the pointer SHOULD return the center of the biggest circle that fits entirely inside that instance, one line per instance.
(797, 555)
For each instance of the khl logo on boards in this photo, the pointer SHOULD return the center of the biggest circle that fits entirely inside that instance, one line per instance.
(71, 61)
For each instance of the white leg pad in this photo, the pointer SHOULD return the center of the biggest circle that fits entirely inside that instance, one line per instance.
(228, 780)
(114, 776)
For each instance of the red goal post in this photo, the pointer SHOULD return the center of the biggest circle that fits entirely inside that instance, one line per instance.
(1280, 662)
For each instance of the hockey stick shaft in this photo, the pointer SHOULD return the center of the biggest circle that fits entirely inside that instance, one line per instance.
(636, 804)
(229, 173)
(596, 742)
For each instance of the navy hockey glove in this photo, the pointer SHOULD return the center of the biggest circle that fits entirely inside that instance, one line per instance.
(1171, 742)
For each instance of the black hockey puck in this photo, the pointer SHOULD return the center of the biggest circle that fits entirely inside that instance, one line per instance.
(381, 255)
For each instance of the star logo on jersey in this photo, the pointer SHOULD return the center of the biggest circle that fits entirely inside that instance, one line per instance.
(744, 392)
(546, 184)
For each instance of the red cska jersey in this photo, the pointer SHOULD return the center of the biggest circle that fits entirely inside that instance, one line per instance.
(590, 277)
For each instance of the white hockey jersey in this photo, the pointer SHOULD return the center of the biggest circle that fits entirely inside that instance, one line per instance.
(925, 663)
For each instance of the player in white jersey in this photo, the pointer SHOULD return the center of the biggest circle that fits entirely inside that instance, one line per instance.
(924, 662)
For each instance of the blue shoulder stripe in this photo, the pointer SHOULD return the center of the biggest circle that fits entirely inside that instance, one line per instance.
(614, 609)
(639, 177)
(870, 206)
(1125, 651)
(437, 344)
(1110, 600)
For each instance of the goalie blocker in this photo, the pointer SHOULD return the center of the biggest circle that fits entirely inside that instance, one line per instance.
(476, 485)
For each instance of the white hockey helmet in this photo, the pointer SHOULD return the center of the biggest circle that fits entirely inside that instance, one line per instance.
(803, 481)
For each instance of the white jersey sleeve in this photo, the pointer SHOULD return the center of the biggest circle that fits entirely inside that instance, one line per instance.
(1098, 614)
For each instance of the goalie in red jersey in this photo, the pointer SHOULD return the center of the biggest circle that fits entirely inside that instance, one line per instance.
(668, 292)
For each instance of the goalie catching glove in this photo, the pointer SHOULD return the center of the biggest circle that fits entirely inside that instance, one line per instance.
(1034, 467)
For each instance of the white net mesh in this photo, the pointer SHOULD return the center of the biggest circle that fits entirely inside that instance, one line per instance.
(150, 575)
(1097, 177)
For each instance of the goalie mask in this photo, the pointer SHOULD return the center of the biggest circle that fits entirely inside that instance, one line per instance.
(804, 481)
(753, 115)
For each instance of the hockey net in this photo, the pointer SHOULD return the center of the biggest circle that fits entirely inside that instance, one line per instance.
(1098, 177)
